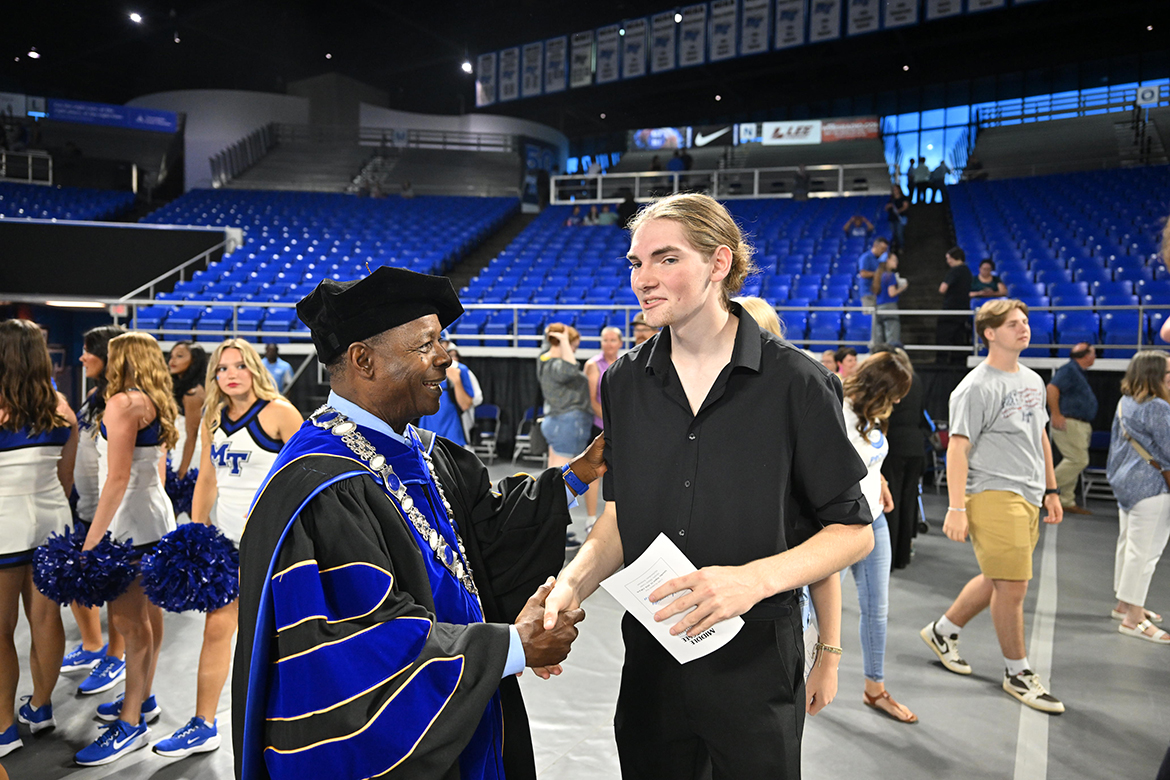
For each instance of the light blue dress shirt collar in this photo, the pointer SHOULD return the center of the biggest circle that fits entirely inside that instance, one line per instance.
(363, 417)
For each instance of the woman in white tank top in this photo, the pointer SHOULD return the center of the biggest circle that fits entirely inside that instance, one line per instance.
(38, 440)
(245, 424)
(86, 479)
(135, 429)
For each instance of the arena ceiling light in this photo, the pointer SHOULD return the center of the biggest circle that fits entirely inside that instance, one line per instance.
(76, 304)
(466, 66)
(678, 18)
(136, 17)
(33, 54)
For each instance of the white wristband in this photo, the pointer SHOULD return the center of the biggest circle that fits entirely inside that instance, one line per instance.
(956, 509)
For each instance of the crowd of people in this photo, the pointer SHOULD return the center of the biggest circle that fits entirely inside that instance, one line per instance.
(382, 565)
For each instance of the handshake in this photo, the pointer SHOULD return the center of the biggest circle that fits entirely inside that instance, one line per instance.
(546, 642)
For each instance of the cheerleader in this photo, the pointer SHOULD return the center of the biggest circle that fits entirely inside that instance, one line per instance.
(92, 652)
(188, 367)
(135, 428)
(245, 423)
(38, 443)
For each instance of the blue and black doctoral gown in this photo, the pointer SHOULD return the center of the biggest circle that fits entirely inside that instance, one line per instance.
(359, 655)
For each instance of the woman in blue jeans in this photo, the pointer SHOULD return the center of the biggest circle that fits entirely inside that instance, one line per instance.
(870, 395)
(568, 413)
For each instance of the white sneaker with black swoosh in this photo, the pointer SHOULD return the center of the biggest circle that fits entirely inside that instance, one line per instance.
(946, 648)
(118, 739)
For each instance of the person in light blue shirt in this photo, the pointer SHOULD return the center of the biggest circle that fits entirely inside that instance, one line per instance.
(458, 392)
(280, 369)
(867, 264)
(887, 286)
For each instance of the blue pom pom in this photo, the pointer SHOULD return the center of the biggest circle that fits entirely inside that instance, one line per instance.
(181, 491)
(63, 573)
(194, 567)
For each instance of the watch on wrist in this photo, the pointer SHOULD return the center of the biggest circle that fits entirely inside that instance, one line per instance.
(1052, 491)
(573, 481)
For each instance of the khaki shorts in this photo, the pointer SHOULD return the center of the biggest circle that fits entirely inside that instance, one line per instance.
(1004, 529)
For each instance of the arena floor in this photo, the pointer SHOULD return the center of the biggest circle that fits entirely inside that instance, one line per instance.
(1117, 723)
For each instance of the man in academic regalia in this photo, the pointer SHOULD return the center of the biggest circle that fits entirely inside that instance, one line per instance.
(388, 594)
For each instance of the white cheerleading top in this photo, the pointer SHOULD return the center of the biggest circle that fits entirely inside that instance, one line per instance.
(145, 514)
(85, 465)
(242, 454)
(177, 450)
(32, 502)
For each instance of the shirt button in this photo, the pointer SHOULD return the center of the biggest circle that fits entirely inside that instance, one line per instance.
(687, 483)
(691, 437)
(682, 532)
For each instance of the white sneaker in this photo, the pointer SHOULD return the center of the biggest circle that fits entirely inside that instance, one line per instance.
(1026, 687)
(946, 648)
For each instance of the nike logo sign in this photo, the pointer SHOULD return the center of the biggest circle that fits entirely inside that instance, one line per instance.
(121, 743)
(703, 140)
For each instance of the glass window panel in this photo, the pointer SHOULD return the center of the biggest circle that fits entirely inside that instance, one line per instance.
(907, 122)
(933, 118)
(572, 165)
(931, 146)
(958, 115)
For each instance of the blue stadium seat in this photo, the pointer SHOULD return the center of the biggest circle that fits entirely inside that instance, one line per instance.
(1041, 324)
(1076, 326)
(1120, 327)
(825, 325)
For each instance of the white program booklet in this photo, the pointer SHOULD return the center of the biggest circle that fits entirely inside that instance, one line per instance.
(632, 586)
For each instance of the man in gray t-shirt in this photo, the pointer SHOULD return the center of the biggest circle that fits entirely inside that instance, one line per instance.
(999, 472)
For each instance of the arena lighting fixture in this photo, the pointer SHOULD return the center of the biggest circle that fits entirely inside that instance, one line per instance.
(176, 36)
(136, 17)
(930, 147)
(622, 31)
(905, 67)
(76, 304)
(466, 66)
(678, 18)
(718, 98)
(603, 115)
(33, 54)
(328, 56)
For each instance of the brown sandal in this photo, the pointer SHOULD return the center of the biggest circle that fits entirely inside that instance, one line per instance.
(872, 701)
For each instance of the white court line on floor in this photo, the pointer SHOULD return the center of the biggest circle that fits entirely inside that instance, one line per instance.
(1032, 738)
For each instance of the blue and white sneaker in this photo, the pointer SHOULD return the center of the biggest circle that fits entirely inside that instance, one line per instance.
(118, 739)
(109, 672)
(10, 740)
(80, 658)
(111, 711)
(38, 719)
(195, 737)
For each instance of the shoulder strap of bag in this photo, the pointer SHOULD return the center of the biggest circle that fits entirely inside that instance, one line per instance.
(1142, 452)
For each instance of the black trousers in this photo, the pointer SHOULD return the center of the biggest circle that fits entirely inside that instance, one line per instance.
(903, 472)
(738, 712)
(953, 330)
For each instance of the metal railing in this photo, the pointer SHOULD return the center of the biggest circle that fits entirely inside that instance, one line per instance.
(31, 166)
(1060, 107)
(403, 138)
(242, 155)
(514, 344)
(823, 181)
(180, 270)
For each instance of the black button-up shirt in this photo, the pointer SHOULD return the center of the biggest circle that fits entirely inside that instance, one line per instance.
(764, 464)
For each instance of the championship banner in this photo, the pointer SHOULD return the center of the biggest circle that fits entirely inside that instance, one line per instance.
(724, 21)
(692, 42)
(803, 133)
(900, 13)
(753, 27)
(114, 116)
(634, 49)
(509, 74)
(712, 135)
(863, 16)
(581, 60)
(662, 42)
(485, 79)
(824, 21)
(608, 48)
(857, 128)
(940, 9)
(789, 23)
(532, 58)
(555, 53)
(984, 5)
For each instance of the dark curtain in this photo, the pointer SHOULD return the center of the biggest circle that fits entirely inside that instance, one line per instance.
(509, 383)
